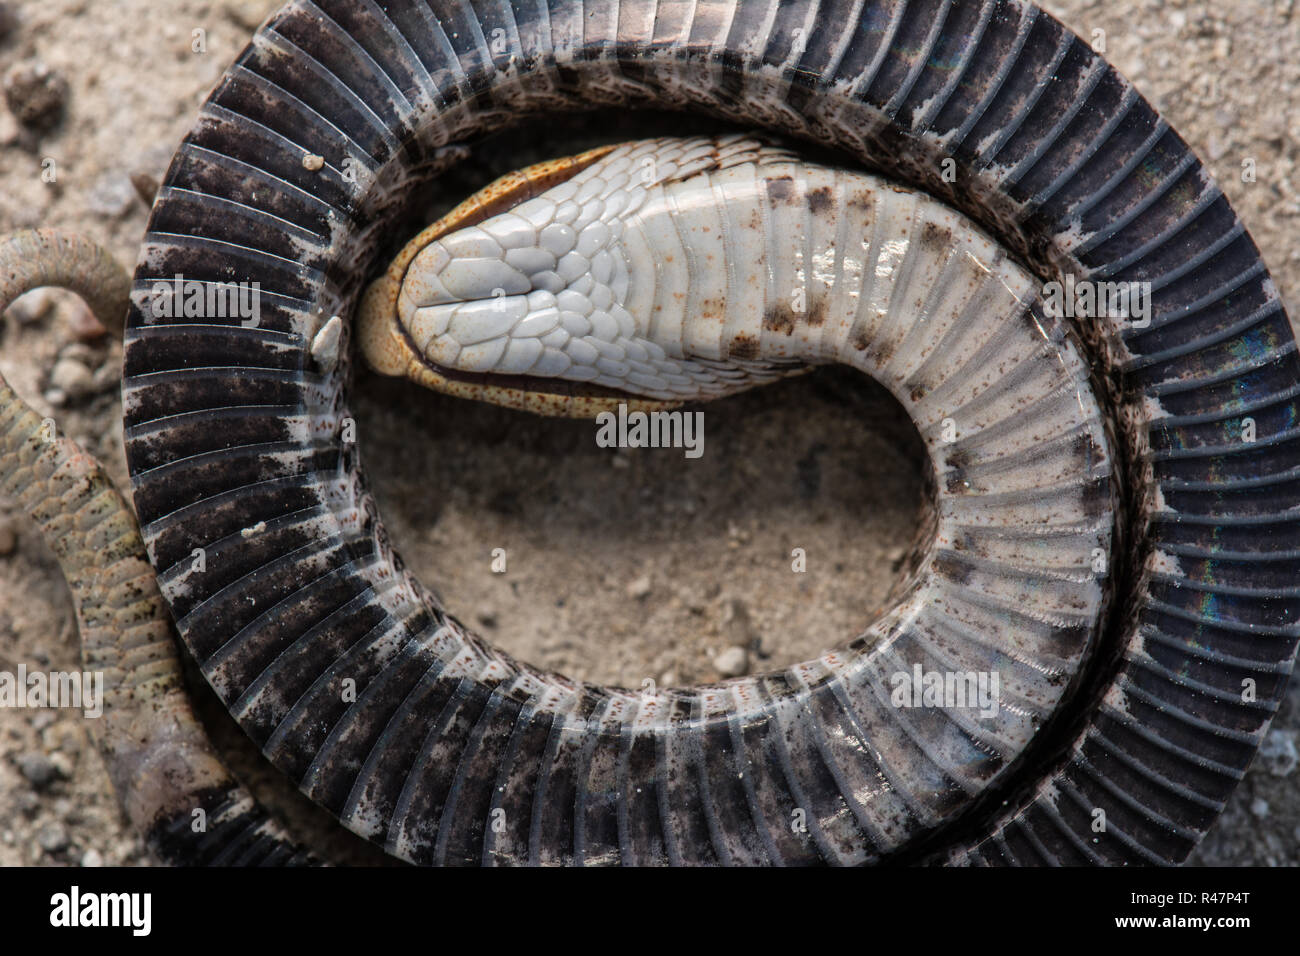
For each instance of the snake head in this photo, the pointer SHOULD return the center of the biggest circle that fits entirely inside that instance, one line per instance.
(526, 294)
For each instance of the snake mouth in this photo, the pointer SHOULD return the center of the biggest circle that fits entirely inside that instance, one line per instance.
(390, 350)
(575, 399)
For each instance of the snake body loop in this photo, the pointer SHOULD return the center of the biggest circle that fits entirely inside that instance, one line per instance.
(738, 265)
(235, 442)
(157, 754)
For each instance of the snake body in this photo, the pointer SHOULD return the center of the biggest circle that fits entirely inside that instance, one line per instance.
(157, 753)
(728, 264)
(450, 752)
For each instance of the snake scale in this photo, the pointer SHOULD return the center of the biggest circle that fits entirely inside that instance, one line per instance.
(238, 441)
(161, 764)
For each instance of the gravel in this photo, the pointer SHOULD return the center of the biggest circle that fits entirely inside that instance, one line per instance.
(640, 588)
(72, 378)
(35, 94)
(37, 768)
(1278, 752)
(733, 662)
(53, 838)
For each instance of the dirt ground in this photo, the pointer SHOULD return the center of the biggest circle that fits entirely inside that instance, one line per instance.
(621, 566)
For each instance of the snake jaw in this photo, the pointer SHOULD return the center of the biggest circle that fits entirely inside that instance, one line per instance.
(527, 296)
(389, 350)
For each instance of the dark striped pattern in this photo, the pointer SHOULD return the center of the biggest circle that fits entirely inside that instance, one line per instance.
(1056, 155)
(224, 828)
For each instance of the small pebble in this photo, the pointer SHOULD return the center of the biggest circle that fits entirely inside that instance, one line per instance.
(325, 345)
(733, 662)
(92, 858)
(35, 94)
(112, 195)
(52, 837)
(72, 378)
(1278, 752)
(313, 162)
(62, 765)
(36, 767)
(1259, 807)
(640, 588)
(145, 186)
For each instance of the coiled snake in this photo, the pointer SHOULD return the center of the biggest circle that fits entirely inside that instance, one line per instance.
(1136, 687)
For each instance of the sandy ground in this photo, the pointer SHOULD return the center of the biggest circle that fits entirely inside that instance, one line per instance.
(621, 566)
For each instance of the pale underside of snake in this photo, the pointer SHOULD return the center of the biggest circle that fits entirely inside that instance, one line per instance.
(1137, 685)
